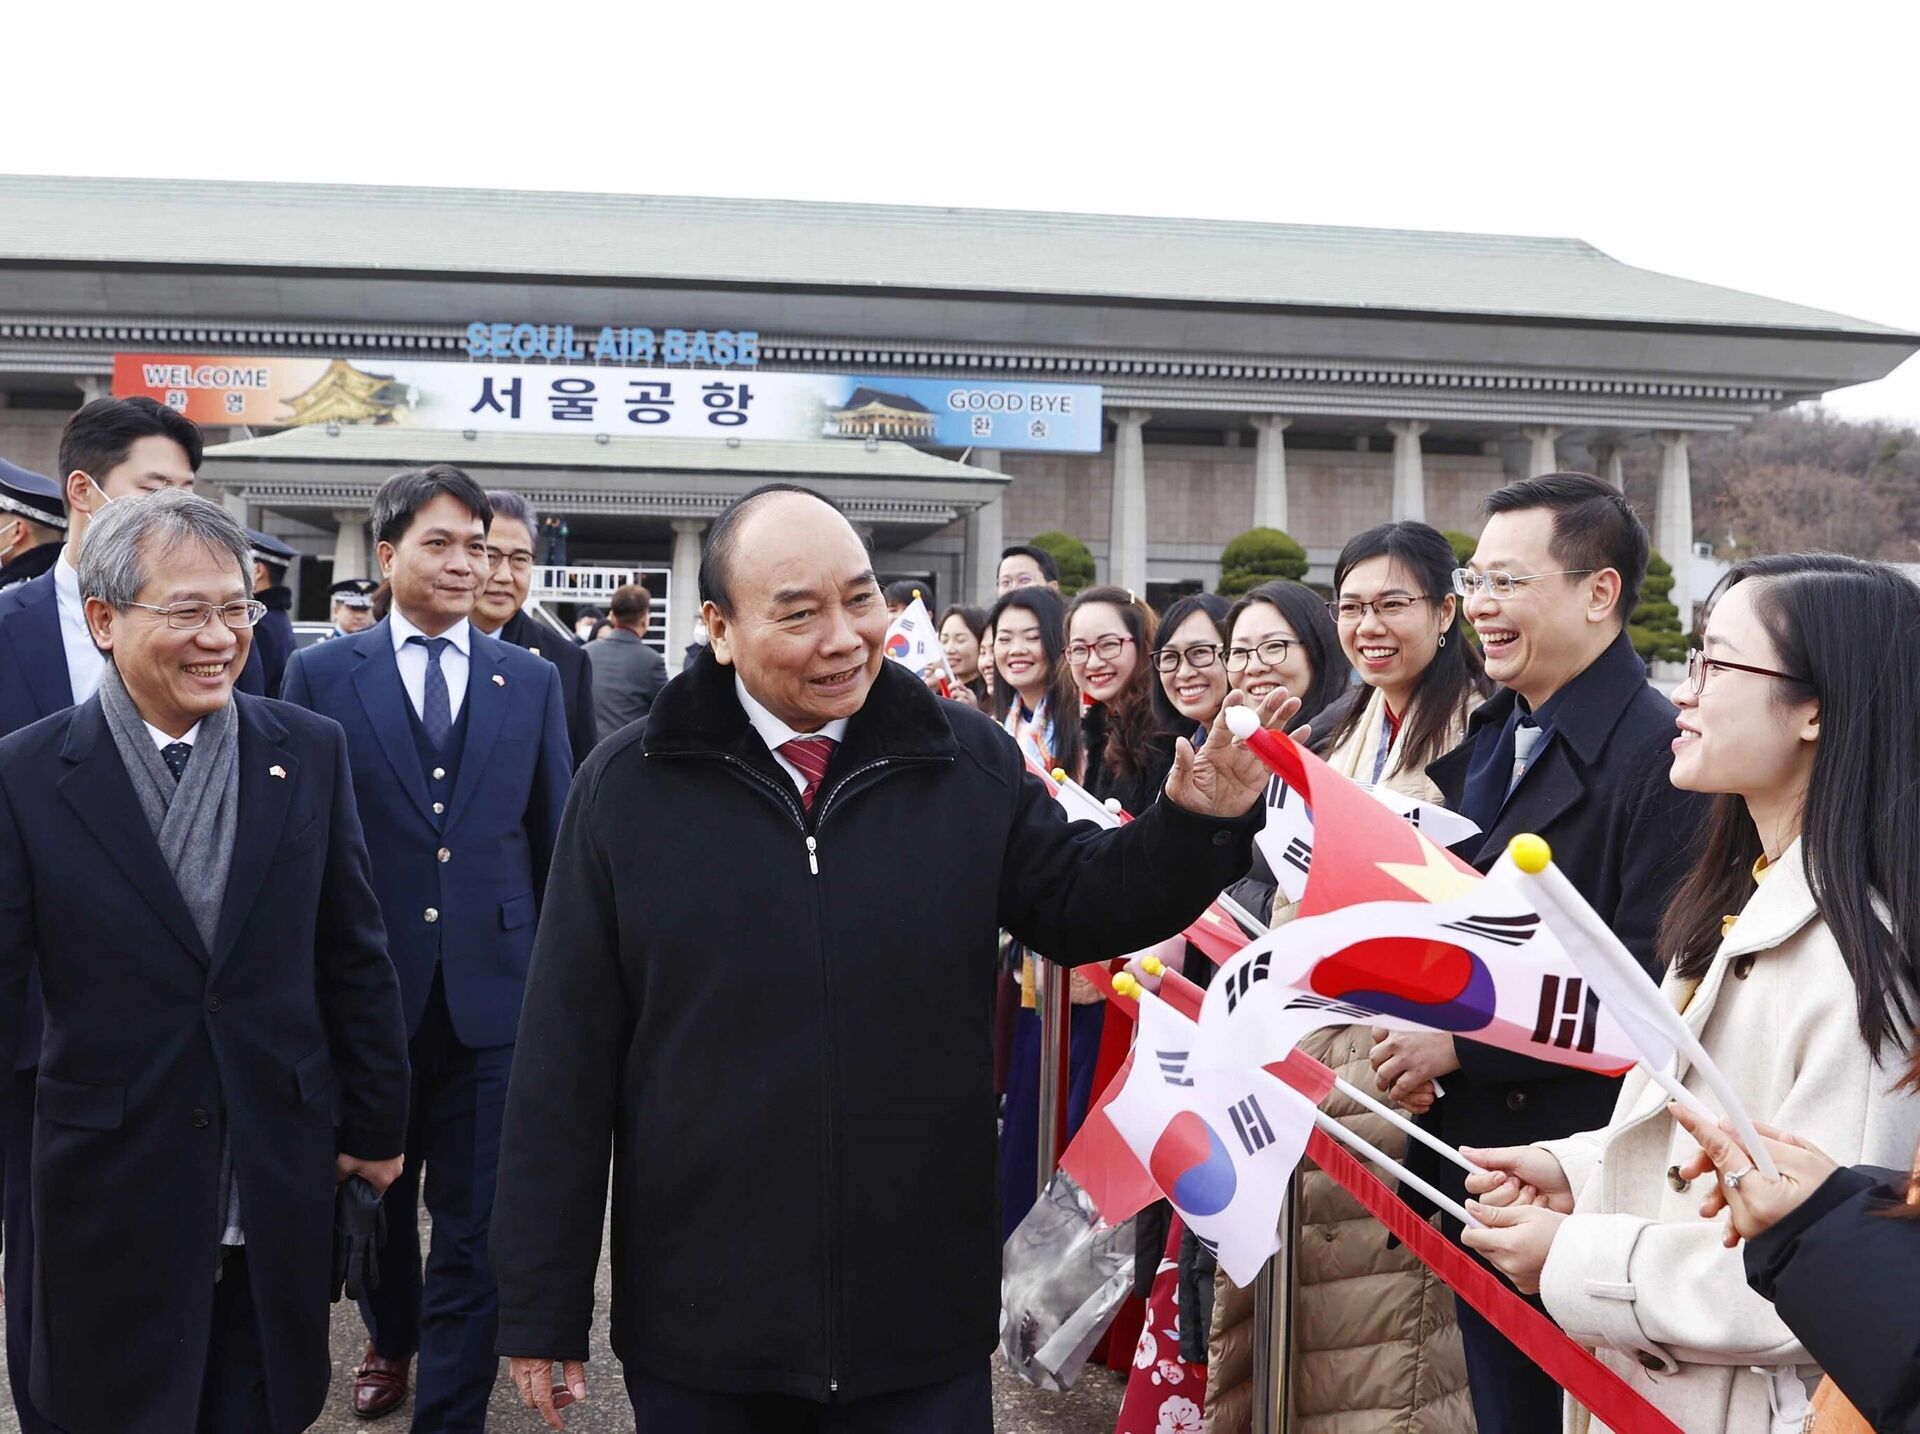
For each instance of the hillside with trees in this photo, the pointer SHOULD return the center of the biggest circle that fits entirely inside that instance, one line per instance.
(1801, 479)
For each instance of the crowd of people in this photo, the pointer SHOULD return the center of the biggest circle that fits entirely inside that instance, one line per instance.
(449, 909)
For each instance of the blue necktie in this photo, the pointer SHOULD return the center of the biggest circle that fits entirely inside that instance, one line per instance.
(176, 756)
(436, 710)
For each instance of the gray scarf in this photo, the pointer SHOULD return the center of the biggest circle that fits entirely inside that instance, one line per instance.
(193, 820)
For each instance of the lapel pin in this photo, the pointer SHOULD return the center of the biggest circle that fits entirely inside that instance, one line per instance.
(498, 680)
(276, 771)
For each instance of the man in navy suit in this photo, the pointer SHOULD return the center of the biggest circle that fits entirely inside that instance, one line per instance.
(461, 767)
(111, 450)
(223, 1037)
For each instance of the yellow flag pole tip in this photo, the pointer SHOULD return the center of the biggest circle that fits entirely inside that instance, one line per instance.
(1059, 774)
(1242, 722)
(1125, 985)
(1530, 853)
(1153, 965)
(916, 592)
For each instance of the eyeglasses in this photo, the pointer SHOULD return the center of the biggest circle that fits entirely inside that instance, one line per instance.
(520, 562)
(1699, 664)
(1272, 652)
(1500, 585)
(1106, 649)
(1200, 655)
(192, 616)
(1349, 611)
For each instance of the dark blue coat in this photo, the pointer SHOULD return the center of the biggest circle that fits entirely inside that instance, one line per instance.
(33, 684)
(286, 1029)
(498, 829)
(1841, 1271)
(1624, 836)
(576, 675)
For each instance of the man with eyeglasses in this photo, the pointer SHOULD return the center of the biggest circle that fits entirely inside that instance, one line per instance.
(111, 449)
(223, 1033)
(1574, 746)
(500, 611)
(460, 770)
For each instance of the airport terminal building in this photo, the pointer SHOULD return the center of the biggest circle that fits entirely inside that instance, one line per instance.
(958, 379)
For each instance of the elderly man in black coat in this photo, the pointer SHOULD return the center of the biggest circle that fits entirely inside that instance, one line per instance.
(739, 993)
(223, 1037)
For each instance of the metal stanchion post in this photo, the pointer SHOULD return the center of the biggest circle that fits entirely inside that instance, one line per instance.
(1273, 1327)
(1050, 994)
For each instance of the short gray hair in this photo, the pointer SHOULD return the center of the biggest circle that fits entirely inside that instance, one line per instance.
(508, 504)
(113, 551)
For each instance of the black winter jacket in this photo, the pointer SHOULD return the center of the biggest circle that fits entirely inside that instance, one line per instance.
(1842, 1274)
(788, 1051)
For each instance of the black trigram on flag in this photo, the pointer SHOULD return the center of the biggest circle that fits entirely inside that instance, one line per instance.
(1250, 1124)
(1331, 1007)
(1210, 1246)
(1507, 930)
(1298, 855)
(1278, 794)
(1238, 984)
(1173, 1067)
(1569, 1014)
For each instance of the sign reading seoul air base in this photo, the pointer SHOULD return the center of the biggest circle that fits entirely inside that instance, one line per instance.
(586, 398)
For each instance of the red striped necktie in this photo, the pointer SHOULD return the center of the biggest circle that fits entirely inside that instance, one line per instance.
(810, 755)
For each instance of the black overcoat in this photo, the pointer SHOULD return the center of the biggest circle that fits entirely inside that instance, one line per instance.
(780, 1024)
(287, 1034)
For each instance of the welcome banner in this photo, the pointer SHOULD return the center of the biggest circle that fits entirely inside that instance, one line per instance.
(229, 389)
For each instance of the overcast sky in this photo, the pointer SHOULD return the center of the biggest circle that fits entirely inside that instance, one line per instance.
(1763, 148)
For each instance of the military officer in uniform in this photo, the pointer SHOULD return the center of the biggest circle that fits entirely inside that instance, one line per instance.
(273, 634)
(351, 609)
(33, 524)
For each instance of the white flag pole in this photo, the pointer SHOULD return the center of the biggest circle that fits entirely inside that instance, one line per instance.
(1361, 1147)
(1566, 913)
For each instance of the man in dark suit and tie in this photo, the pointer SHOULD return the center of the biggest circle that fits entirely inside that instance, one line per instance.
(499, 612)
(1575, 746)
(223, 1036)
(627, 673)
(460, 768)
(112, 450)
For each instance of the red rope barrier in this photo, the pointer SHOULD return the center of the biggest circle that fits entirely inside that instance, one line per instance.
(1574, 1369)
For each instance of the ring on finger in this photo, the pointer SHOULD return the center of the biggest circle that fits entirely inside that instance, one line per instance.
(1732, 1179)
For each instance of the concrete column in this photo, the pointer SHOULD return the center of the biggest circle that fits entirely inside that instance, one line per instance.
(1673, 521)
(1127, 542)
(1409, 471)
(1270, 471)
(683, 594)
(1607, 462)
(986, 536)
(350, 545)
(92, 387)
(1542, 457)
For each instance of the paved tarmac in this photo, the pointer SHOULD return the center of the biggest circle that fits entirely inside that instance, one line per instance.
(1090, 1408)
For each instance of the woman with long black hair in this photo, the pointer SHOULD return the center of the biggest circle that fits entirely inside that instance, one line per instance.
(1279, 635)
(960, 630)
(1033, 694)
(1794, 951)
(1037, 700)
(1190, 660)
(1109, 637)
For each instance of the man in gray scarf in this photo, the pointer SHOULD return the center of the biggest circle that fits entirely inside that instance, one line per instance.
(223, 1033)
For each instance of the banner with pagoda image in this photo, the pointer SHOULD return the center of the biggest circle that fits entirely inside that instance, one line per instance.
(268, 393)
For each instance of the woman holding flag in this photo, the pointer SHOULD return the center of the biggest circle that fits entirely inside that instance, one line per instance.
(1374, 1332)
(1036, 699)
(1794, 950)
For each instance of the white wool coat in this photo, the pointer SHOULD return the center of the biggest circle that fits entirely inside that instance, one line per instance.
(1635, 1272)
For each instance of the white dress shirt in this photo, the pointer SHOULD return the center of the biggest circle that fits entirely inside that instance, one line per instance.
(774, 732)
(412, 660)
(85, 662)
(163, 741)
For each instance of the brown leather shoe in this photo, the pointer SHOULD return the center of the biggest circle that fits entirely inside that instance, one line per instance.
(379, 1385)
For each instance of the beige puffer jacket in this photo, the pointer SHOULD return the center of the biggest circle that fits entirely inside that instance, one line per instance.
(1376, 1347)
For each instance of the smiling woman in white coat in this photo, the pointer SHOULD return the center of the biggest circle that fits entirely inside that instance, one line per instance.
(1791, 949)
